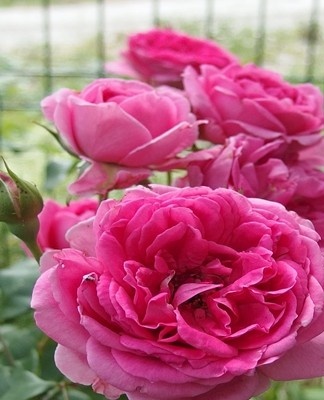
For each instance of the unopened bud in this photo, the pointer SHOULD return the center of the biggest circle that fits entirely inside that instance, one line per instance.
(20, 203)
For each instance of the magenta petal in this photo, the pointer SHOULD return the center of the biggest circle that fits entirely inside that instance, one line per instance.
(254, 114)
(241, 388)
(101, 333)
(48, 260)
(50, 103)
(203, 341)
(159, 312)
(157, 113)
(189, 290)
(150, 368)
(228, 104)
(81, 237)
(109, 367)
(99, 178)
(304, 361)
(68, 277)
(198, 96)
(51, 319)
(101, 360)
(74, 365)
(104, 132)
(163, 147)
(63, 120)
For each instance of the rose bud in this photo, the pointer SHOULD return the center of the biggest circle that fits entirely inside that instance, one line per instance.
(20, 203)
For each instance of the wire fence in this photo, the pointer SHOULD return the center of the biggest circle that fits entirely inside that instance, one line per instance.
(257, 14)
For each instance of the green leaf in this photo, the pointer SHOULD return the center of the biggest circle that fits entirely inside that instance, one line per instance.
(24, 385)
(79, 395)
(48, 369)
(21, 342)
(16, 285)
(56, 172)
(4, 379)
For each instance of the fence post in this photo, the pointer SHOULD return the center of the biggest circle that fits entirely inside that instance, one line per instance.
(101, 42)
(209, 18)
(47, 49)
(312, 39)
(4, 248)
(259, 49)
(156, 13)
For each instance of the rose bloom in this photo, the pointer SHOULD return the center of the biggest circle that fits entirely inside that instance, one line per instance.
(123, 128)
(244, 163)
(159, 56)
(308, 197)
(184, 294)
(56, 219)
(250, 166)
(252, 100)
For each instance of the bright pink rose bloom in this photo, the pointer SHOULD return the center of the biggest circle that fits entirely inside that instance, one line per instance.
(308, 197)
(186, 294)
(252, 100)
(244, 163)
(121, 126)
(56, 219)
(250, 166)
(159, 56)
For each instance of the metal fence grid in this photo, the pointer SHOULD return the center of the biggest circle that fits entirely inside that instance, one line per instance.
(47, 73)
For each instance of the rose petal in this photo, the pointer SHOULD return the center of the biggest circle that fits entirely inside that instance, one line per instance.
(290, 367)
(74, 365)
(110, 126)
(162, 147)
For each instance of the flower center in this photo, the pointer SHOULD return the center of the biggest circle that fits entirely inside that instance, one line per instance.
(189, 288)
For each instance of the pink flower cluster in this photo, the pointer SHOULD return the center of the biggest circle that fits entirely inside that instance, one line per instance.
(206, 289)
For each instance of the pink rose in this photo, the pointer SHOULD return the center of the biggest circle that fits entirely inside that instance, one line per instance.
(159, 56)
(250, 166)
(244, 163)
(56, 219)
(252, 100)
(100, 177)
(187, 293)
(121, 125)
(308, 196)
